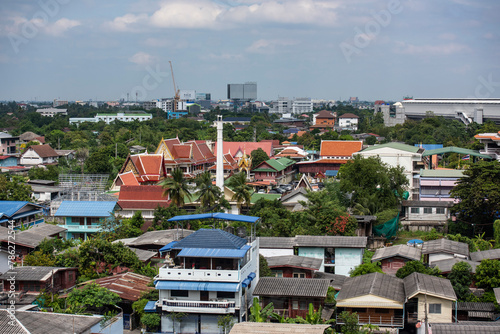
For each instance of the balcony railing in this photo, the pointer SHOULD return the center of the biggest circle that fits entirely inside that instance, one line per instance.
(378, 320)
(199, 304)
(412, 317)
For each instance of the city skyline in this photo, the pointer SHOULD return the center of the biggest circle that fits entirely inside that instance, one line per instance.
(82, 50)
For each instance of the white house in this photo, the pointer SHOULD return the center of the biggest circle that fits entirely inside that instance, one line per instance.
(398, 154)
(442, 249)
(208, 274)
(348, 121)
(39, 155)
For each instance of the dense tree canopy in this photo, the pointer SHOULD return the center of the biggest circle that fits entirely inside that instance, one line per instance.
(416, 266)
(461, 279)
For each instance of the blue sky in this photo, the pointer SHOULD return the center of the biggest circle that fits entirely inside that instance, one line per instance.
(91, 49)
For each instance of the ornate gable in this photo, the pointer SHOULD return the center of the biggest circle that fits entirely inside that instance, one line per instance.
(163, 150)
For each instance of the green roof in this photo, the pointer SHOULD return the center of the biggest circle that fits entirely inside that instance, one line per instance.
(270, 197)
(396, 146)
(452, 173)
(453, 149)
(277, 164)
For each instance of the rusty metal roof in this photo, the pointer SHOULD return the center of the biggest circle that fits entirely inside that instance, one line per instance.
(128, 286)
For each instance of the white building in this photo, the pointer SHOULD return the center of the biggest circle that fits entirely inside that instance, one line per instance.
(108, 118)
(51, 112)
(397, 154)
(39, 155)
(348, 122)
(442, 249)
(208, 274)
(302, 105)
(491, 143)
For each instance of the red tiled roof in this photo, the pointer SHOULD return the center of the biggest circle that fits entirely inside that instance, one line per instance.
(324, 161)
(340, 148)
(324, 114)
(128, 179)
(349, 115)
(142, 197)
(248, 147)
(44, 151)
(181, 151)
(3, 157)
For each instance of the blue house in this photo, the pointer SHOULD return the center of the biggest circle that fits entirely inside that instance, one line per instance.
(8, 161)
(208, 274)
(20, 213)
(82, 218)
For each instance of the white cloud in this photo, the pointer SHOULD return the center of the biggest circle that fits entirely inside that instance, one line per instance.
(128, 22)
(59, 27)
(142, 58)
(431, 50)
(183, 14)
(269, 45)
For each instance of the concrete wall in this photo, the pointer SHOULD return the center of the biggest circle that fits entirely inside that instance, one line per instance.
(346, 259)
(446, 309)
(269, 252)
(314, 252)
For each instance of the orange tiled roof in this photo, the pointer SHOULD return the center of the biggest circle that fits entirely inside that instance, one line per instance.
(340, 148)
(324, 114)
(142, 197)
(128, 179)
(248, 147)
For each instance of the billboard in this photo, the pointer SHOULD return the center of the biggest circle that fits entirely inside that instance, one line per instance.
(246, 91)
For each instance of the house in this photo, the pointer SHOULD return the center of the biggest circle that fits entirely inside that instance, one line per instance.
(44, 190)
(51, 112)
(32, 322)
(148, 169)
(394, 257)
(378, 299)
(277, 171)
(292, 152)
(8, 143)
(323, 121)
(229, 164)
(465, 327)
(472, 311)
(34, 279)
(276, 328)
(39, 155)
(193, 157)
(67, 154)
(129, 286)
(420, 215)
(491, 254)
(208, 274)
(83, 218)
(336, 281)
(429, 296)
(291, 296)
(276, 246)
(28, 136)
(8, 160)
(348, 122)
(491, 144)
(125, 179)
(292, 199)
(441, 249)
(141, 198)
(340, 254)
(333, 154)
(435, 184)
(398, 155)
(446, 265)
(293, 266)
(17, 213)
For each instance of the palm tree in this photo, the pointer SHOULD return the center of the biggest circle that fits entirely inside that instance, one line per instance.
(176, 188)
(209, 194)
(242, 191)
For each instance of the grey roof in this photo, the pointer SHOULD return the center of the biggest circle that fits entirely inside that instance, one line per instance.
(291, 194)
(47, 230)
(143, 255)
(211, 238)
(159, 238)
(416, 283)
(30, 273)
(491, 254)
(336, 281)
(497, 294)
(473, 306)
(276, 328)
(330, 241)
(426, 204)
(297, 287)
(28, 238)
(45, 322)
(7, 326)
(446, 264)
(445, 246)
(411, 253)
(377, 284)
(467, 327)
(277, 242)
(294, 261)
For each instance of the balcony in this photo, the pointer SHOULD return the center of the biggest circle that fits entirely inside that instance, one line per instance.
(82, 228)
(213, 306)
(386, 321)
(177, 273)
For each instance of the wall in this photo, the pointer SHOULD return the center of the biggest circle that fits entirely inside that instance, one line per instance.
(391, 266)
(269, 252)
(314, 252)
(346, 259)
(443, 256)
(30, 157)
(446, 309)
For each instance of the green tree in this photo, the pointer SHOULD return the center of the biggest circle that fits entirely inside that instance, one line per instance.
(152, 321)
(264, 270)
(461, 279)
(50, 172)
(496, 233)
(366, 268)
(13, 188)
(92, 296)
(259, 314)
(349, 322)
(258, 156)
(176, 188)
(242, 191)
(99, 163)
(472, 208)
(208, 193)
(488, 274)
(313, 317)
(225, 322)
(39, 258)
(416, 266)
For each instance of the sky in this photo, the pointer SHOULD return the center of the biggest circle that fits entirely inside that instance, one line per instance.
(105, 50)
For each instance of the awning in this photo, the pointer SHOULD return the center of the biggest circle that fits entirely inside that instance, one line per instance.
(197, 286)
(245, 282)
(168, 246)
(214, 252)
(251, 276)
(217, 215)
(150, 307)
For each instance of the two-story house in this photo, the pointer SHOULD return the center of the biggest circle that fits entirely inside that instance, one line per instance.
(20, 213)
(207, 274)
(39, 155)
(8, 143)
(277, 171)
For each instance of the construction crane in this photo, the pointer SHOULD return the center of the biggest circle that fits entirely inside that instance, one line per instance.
(176, 91)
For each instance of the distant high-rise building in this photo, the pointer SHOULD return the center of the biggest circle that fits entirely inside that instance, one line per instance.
(242, 92)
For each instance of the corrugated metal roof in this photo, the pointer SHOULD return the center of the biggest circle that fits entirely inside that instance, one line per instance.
(85, 209)
(396, 146)
(473, 306)
(445, 246)
(294, 261)
(453, 149)
(377, 284)
(150, 307)
(466, 327)
(217, 215)
(330, 241)
(491, 254)
(215, 253)
(32, 273)
(298, 287)
(197, 286)
(411, 253)
(9, 208)
(129, 286)
(446, 265)
(277, 242)
(417, 283)
(443, 173)
(276, 328)
(211, 238)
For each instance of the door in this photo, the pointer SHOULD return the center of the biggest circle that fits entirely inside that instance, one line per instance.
(204, 296)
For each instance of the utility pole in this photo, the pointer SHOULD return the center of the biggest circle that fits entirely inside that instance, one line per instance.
(426, 319)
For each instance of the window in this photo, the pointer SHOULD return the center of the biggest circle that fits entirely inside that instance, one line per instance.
(278, 273)
(440, 211)
(179, 293)
(75, 220)
(299, 275)
(435, 308)
(415, 210)
(225, 295)
(428, 210)
(295, 305)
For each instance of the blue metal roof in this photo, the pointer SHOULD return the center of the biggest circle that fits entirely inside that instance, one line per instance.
(197, 286)
(150, 307)
(168, 246)
(217, 215)
(216, 253)
(330, 172)
(85, 209)
(211, 238)
(429, 146)
(9, 208)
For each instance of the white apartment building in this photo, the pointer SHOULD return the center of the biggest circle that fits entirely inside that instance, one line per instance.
(51, 112)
